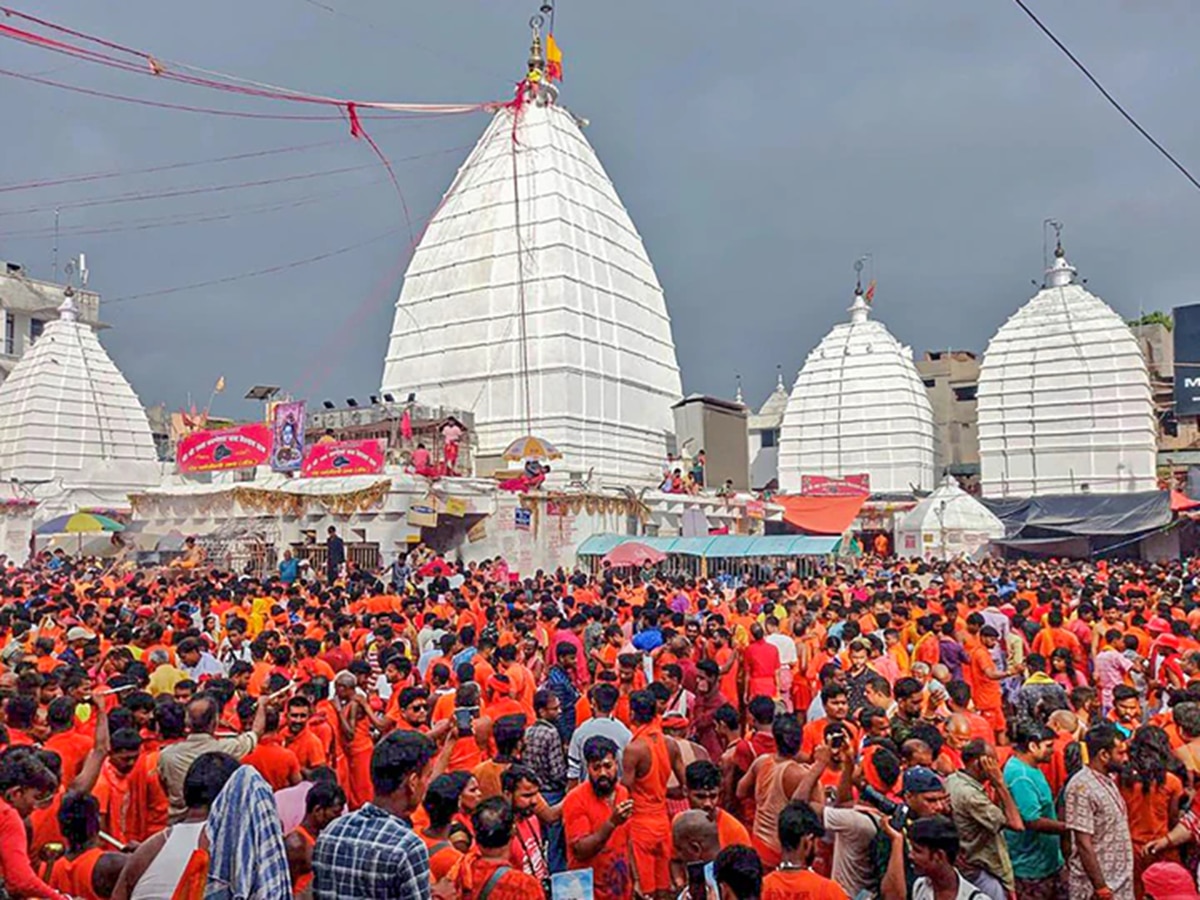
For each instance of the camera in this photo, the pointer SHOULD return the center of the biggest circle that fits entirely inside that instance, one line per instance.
(897, 813)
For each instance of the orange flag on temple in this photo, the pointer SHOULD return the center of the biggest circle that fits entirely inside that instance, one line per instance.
(870, 295)
(553, 59)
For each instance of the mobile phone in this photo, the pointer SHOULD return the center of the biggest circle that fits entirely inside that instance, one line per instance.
(464, 717)
(697, 880)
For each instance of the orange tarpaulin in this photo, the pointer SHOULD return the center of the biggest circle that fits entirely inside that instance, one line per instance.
(1181, 502)
(820, 515)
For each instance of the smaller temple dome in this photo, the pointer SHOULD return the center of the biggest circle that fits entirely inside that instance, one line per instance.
(859, 406)
(67, 414)
(1064, 398)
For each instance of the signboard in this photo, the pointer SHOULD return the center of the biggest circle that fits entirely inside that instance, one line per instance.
(287, 436)
(755, 509)
(828, 486)
(1186, 336)
(231, 448)
(455, 506)
(422, 516)
(477, 532)
(522, 519)
(343, 458)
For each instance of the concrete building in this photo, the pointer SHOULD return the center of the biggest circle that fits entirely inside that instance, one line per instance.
(27, 305)
(718, 427)
(1178, 435)
(951, 379)
(1065, 403)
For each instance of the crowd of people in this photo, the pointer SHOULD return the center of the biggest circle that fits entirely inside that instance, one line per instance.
(978, 730)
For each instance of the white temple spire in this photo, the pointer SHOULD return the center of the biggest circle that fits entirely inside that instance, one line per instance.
(1061, 273)
(67, 311)
(554, 304)
(859, 309)
(67, 414)
(1064, 398)
(859, 407)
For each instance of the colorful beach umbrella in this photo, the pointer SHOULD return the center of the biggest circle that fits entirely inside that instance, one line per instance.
(79, 523)
(530, 447)
(633, 555)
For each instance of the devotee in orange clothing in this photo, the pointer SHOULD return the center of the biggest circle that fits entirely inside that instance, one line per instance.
(799, 833)
(440, 807)
(275, 762)
(323, 803)
(86, 863)
(649, 760)
(355, 744)
(148, 803)
(486, 870)
(112, 789)
(299, 737)
(595, 820)
(71, 746)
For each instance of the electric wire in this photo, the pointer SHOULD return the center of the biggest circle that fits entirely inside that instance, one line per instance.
(1109, 97)
(270, 270)
(140, 196)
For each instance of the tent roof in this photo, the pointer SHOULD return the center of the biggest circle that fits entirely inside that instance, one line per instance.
(1082, 515)
(719, 546)
(950, 508)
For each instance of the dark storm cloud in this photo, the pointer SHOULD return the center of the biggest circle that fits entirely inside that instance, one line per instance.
(760, 148)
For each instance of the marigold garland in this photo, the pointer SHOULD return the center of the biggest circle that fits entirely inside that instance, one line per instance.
(275, 503)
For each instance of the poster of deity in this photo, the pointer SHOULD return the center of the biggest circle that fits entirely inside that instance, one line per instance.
(287, 427)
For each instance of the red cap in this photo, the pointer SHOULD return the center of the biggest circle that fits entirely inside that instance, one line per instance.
(1158, 625)
(1169, 881)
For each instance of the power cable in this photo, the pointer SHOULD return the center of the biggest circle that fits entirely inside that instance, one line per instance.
(137, 197)
(1109, 97)
(270, 270)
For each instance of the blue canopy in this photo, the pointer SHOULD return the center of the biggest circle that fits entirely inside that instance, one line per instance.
(719, 546)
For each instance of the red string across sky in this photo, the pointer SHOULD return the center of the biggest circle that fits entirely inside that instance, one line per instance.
(75, 44)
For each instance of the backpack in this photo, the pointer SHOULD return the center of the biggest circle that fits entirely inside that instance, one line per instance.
(879, 852)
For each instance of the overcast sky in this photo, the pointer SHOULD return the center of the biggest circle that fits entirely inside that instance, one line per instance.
(759, 147)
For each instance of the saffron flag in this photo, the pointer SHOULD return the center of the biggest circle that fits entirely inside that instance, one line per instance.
(870, 295)
(220, 385)
(554, 70)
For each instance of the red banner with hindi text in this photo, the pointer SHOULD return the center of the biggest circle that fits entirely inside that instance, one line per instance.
(334, 458)
(230, 448)
(827, 486)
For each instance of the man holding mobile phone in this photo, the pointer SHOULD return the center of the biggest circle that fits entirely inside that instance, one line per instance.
(595, 821)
